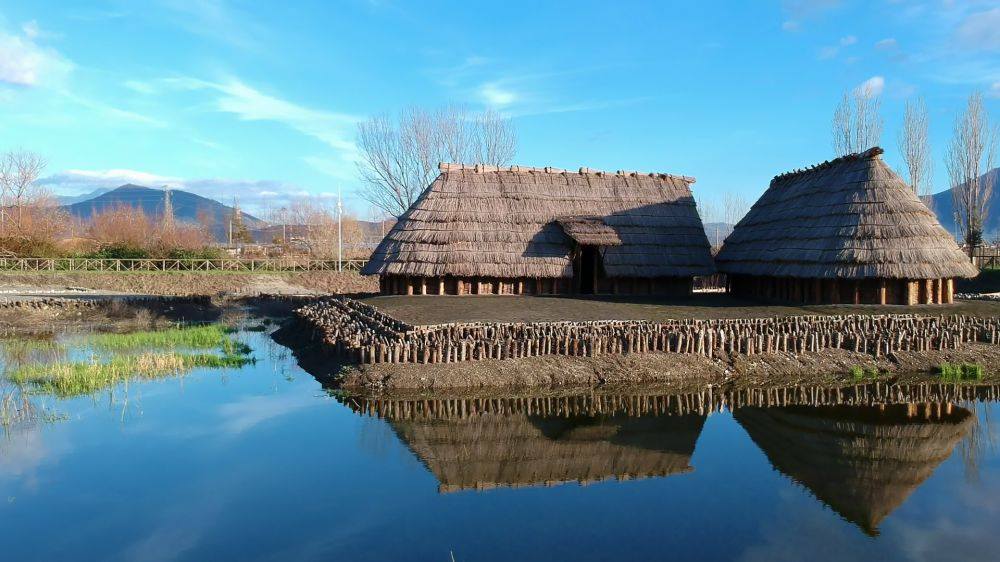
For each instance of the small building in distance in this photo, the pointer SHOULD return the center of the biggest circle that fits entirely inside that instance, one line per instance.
(846, 231)
(486, 230)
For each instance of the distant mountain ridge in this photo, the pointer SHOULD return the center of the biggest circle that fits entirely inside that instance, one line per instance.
(188, 207)
(943, 206)
(66, 200)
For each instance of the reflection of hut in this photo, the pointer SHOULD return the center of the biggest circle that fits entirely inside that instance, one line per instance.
(517, 230)
(846, 231)
(491, 450)
(863, 462)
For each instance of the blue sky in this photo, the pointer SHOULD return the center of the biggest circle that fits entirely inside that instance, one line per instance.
(262, 99)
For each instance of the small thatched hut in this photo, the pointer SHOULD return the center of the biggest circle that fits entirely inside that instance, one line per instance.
(845, 231)
(493, 450)
(517, 230)
(861, 461)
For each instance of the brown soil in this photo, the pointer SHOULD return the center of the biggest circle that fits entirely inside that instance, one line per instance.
(443, 309)
(189, 283)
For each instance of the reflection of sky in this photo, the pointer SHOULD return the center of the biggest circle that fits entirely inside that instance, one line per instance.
(251, 465)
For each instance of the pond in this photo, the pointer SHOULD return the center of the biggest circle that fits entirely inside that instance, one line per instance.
(251, 458)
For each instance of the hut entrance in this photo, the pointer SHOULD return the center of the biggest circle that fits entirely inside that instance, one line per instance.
(588, 269)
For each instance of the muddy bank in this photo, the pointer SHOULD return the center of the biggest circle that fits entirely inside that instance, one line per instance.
(671, 371)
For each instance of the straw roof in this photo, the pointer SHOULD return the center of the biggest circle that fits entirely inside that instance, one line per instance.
(852, 217)
(483, 221)
(490, 450)
(861, 461)
(589, 231)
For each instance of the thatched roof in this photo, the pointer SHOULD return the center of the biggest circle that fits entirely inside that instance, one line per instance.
(852, 217)
(490, 450)
(861, 461)
(483, 221)
(589, 231)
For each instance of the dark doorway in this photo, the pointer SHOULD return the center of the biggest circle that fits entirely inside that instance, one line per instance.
(588, 269)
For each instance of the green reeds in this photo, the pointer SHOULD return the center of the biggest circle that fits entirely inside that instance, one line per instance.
(191, 337)
(85, 377)
(961, 372)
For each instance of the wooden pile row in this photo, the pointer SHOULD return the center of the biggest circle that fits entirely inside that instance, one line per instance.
(363, 334)
(927, 399)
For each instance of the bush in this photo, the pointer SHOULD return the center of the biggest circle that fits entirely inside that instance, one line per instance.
(959, 373)
(859, 373)
(120, 252)
(207, 253)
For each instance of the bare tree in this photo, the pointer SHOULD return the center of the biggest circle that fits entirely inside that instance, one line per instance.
(734, 208)
(857, 121)
(399, 157)
(19, 169)
(317, 229)
(969, 159)
(915, 147)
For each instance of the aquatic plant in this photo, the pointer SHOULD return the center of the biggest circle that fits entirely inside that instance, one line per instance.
(192, 337)
(961, 372)
(859, 373)
(77, 378)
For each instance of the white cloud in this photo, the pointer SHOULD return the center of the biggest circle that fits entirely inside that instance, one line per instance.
(980, 30)
(494, 95)
(887, 44)
(216, 20)
(790, 25)
(23, 62)
(827, 53)
(848, 40)
(873, 86)
(995, 90)
(30, 29)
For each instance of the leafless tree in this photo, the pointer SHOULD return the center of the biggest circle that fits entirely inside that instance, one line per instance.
(399, 157)
(970, 157)
(19, 169)
(734, 208)
(857, 121)
(915, 147)
(317, 229)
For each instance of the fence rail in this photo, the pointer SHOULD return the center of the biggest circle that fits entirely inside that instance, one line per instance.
(150, 264)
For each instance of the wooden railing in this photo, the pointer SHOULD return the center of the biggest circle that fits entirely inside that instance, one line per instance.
(986, 257)
(164, 264)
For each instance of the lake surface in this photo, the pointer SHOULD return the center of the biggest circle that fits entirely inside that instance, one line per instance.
(260, 462)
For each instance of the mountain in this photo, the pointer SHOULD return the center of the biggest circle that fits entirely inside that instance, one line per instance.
(70, 199)
(188, 207)
(944, 207)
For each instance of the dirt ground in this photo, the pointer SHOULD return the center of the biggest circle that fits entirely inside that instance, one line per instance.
(432, 309)
(186, 283)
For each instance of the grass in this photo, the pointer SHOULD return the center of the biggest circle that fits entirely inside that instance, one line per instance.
(77, 378)
(961, 372)
(145, 355)
(860, 374)
(190, 337)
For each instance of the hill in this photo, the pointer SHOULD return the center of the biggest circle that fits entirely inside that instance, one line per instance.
(944, 207)
(66, 200)
(188, 207)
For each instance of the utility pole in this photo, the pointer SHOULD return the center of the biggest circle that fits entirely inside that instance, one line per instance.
(340, 230)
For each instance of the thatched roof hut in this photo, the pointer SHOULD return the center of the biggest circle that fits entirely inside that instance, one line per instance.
(492, 450)
(861, 461)
(848, 230)
(483, 229)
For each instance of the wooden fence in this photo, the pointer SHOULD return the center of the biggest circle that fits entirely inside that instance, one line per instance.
(151, 264)
(361, 333)
(986, 257)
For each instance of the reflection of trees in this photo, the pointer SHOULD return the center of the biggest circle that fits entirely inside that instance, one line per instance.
(980, 442)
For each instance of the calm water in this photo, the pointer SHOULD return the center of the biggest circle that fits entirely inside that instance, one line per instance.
(260, 463)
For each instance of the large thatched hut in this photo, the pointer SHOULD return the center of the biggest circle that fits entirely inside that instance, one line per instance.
(493, 450)
(846, 231)
(518, 230)
(861, 461)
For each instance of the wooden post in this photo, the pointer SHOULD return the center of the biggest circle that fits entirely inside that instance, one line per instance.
(857, 292)
(949, 291)
(441, 287)
(928, 291)
(423, 285)
(881, 291)
(409, 285)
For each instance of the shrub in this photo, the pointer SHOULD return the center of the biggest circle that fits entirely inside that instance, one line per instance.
(120, 252)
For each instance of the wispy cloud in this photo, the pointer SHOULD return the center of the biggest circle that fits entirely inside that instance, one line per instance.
(495, 95)
(980, 31)
(217, 20)
(25, 62)
(887, 44)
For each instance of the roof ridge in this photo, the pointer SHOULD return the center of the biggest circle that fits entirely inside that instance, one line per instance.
(871, 153)
(485, 168)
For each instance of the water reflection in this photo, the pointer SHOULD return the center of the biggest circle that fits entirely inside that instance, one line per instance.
(861, 461)
(862, 450)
